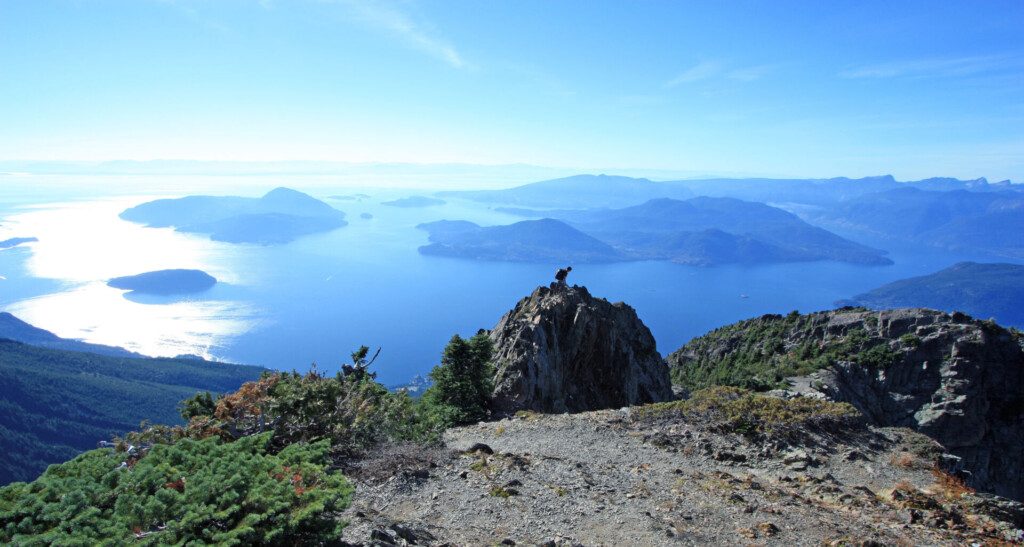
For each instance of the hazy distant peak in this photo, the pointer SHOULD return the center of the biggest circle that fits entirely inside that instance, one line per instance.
(579, 192)
(877, 179)
(288, 198)
(601, 177)
(282, 192)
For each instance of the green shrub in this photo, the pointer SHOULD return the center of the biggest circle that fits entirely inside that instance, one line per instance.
(205, 491)
(462, 383)
(880, 356)
(910, 340)
(200, 404)
(250, 466)
(352, 412)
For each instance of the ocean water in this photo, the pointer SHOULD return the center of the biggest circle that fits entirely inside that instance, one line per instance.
(320, 297)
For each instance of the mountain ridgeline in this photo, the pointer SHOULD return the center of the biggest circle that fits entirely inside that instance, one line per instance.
(596, 191)
(698, 231)
(579, 191)
(946, 213)
(280, 216)
(12, 328)
(983, 290)
(959, 220)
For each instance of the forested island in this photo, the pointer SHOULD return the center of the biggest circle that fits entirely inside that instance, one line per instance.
(165, 282)
(280, 216)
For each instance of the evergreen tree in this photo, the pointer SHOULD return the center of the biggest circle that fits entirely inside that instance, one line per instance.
(200, 404)
(463, 382)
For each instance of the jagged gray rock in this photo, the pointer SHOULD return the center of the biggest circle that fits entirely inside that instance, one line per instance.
(954, 378)
(962, 385)
(562, 350)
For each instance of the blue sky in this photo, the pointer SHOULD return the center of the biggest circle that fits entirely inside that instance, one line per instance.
(783, 88)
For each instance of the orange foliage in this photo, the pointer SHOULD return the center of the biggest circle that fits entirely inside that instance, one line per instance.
(178, 485)
(949, 486)
(248, 401)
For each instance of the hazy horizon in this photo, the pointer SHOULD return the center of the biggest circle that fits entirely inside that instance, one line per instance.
(792, 90)
(397, 175)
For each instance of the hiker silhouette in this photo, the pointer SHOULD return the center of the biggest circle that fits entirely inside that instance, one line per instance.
(561, 274)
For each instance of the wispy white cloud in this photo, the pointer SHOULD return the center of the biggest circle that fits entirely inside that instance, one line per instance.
(389, 17)
(935, 67)
(700, 71)
(708, 70)
(751, 73)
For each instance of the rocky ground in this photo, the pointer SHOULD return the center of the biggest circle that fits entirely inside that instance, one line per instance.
(952, 377)
(641, 477)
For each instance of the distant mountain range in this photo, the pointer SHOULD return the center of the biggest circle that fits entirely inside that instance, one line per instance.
(982, 290)
(414, 201)
(61, 397)
(545, 240)
(578, 192)
(280, 216)
(961, 220)
(828, 191)
(591, 191)
(716, 230)
(700, 231)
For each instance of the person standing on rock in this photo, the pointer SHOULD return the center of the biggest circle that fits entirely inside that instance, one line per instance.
(561, 274)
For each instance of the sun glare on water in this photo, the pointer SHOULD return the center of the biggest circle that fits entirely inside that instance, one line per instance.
(85, 244)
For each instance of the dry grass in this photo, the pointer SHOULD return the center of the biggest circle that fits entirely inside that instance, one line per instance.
(741, 411)
(529, 415)
(905, 486)
(948, 486)
(904, 460)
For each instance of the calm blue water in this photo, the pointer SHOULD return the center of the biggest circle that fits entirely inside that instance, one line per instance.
(317, 299)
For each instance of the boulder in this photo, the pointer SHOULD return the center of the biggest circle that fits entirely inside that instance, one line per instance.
(562, 350)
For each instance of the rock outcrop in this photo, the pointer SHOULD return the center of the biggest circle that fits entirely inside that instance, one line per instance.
(562, 350)
(954, 378)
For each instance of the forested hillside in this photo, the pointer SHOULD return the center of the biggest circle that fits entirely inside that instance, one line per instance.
(58, 403)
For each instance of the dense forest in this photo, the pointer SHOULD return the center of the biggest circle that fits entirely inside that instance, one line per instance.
(58, 403)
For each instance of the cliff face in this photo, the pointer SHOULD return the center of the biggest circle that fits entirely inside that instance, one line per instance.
(951, 377)
(562, 350)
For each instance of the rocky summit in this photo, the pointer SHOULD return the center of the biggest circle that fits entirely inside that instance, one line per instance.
(954, 378)
(562, 350)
